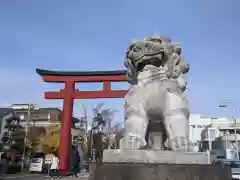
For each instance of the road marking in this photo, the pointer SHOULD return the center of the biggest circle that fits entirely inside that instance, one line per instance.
(21, 176)
(84, 175)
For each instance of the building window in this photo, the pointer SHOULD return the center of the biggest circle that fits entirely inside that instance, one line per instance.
(42, 116)
(6, 134)
(214, 145)
(14, 122)
(21, 116)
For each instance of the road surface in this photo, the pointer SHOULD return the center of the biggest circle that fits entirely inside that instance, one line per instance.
(41, 177)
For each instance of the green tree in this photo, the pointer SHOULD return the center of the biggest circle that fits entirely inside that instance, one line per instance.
(33, 138)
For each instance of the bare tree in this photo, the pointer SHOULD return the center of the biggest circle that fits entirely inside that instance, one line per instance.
(104, 118)
(80, 128)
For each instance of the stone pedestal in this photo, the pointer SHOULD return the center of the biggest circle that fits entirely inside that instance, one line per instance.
(121, 143)
(92, 167)
(155, 140)
(157, 171)
(155, 156)
(157, 165)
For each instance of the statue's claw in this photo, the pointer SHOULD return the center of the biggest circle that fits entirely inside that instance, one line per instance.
(145, 147)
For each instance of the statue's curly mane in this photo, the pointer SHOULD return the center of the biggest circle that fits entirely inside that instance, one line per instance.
(151, 50)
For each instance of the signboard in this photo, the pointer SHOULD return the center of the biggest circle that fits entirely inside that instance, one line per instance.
(48, 158)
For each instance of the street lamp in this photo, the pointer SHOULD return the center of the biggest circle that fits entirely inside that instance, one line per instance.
(224, 105)
(96, 121)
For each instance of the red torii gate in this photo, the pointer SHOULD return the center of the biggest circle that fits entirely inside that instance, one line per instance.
(69, 93)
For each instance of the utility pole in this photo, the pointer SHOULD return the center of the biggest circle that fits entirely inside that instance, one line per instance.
(225, 104)
(30, 107)
(209, 141)
(235, 131)
(209, 150)
(85, 120)
(209, 144)
(25, 137)
(211, 136)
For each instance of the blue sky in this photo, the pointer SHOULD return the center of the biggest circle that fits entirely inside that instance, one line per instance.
(93, 35)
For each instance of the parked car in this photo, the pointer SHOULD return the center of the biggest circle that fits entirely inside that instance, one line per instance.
(37, 164)
(233, 164)
(12, 162)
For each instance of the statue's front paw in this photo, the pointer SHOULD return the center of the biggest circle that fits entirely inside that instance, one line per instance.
(180, 144)
(145, 147)
(134, 142)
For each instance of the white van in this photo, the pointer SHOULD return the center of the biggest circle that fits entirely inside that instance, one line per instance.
(36, 165)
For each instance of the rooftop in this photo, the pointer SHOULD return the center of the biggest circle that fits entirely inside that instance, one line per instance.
(5, 110)
(79, 73)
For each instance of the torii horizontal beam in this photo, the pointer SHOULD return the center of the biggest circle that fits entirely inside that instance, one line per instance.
(95, 76)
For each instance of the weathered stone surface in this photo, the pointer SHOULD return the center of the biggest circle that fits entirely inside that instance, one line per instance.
(155, 156)
(156, 140)
(156, 70)
(143, 171)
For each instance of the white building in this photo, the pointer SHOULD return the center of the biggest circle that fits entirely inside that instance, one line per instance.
(198, 124)
(220, 132)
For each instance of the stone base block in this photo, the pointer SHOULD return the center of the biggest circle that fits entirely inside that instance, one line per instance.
(156, 171)
(92, 167)
(155, 156)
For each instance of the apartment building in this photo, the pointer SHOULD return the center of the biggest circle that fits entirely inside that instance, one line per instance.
(38, 117)
(217, 132)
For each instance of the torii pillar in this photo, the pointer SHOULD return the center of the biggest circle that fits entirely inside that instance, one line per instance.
(69, 93)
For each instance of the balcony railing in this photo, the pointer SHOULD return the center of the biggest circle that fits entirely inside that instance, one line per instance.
(231, 137)
(12, 126)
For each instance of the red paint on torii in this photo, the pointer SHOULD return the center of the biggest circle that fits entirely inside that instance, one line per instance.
(69, 93)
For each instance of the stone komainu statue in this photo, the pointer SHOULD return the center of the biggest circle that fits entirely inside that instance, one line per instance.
(156, 69)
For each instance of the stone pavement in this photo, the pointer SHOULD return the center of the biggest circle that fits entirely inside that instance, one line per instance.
(82, 176)
(25, 176)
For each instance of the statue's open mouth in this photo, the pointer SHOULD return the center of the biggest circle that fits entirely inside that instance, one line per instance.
(148, 53)
(144, 50)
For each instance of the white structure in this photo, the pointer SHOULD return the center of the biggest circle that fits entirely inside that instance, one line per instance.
(205, 130)
(30, 115)
(198, 125)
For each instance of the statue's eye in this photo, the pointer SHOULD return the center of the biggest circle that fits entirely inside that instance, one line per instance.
(148, 46)
(137, 49)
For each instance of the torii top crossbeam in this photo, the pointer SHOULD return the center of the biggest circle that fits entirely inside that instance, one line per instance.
(69, 93)
(70, 78)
